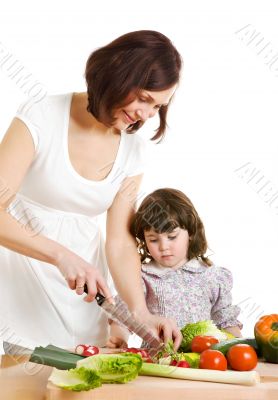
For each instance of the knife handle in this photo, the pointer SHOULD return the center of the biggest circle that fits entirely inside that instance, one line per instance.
(99, 297)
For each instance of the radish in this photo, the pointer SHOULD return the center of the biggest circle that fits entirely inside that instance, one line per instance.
(183, 364)
(86, 350)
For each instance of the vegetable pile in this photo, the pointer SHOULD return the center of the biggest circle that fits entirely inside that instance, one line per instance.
(204, 347)
(207, 328)
(209, 352)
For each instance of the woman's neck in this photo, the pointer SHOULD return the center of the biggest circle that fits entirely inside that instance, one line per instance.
(84, 119)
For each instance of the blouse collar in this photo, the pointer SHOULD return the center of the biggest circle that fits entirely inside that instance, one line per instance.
(194, 266)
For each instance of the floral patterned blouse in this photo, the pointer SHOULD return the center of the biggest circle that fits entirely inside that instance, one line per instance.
(191, 293)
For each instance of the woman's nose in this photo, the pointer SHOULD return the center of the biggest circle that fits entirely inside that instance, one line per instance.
(146, 113)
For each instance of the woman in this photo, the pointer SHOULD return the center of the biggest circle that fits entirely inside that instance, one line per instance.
(64, 161)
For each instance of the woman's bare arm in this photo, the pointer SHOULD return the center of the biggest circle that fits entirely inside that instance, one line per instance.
(124, 261)
(122, 256)
(16, 155)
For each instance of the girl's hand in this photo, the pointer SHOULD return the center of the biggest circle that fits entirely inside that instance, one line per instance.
(116, 343)
(77, 272)
(118, 336)
(234, 330)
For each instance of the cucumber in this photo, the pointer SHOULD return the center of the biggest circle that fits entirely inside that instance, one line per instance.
(225, 345)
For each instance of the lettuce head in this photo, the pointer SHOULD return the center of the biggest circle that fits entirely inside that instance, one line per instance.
(92, 371)
(206, 327)
(113, 368)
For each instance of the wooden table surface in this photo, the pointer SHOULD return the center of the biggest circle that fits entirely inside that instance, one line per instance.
(22, 380)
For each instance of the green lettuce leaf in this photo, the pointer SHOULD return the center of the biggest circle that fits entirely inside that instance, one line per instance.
(76, 379)
(113, 368)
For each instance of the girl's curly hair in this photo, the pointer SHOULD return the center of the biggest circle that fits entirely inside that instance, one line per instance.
(164, 210)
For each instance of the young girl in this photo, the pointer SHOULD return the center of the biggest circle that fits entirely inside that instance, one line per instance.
(179, 281)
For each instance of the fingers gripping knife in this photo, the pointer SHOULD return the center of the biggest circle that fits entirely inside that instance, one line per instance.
(119, 312)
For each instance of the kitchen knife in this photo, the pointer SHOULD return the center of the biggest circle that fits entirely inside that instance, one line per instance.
(13, 349)
(119, 312)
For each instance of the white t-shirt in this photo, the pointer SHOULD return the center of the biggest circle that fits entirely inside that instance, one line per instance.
(35, 301)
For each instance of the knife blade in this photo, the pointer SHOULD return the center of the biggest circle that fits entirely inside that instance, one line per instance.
(15, 349)
(119, 312)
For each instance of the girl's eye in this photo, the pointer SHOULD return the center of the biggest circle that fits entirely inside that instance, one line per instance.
(172, 237)
(153, 240)
(142, 100)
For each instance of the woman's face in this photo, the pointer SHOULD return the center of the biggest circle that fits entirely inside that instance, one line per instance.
(144, 106)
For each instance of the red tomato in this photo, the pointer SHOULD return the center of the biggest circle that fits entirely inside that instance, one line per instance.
(213, 359)
(173, 363)
(242, 357)
(201, 343)
(183, 364)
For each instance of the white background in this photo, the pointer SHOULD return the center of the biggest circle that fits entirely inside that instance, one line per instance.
(224, 114)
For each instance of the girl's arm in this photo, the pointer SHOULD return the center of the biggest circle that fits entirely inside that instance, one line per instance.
(223, 312)
(16, 155)
(124, 261)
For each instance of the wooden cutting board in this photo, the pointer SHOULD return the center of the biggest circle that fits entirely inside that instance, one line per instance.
(22, 380)
(150, 388)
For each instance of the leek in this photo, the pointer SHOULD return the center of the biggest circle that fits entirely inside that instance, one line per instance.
(248, 378)
(55, 357)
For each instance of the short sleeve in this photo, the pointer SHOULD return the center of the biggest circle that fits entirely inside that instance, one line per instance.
(138, 155)
(30, 114)
(223, 312)
(144, 286)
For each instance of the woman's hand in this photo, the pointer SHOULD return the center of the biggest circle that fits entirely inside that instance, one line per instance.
(165, 328)
(79, 272)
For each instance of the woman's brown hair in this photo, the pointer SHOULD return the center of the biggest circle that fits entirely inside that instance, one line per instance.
(140, 60)
(163, 211)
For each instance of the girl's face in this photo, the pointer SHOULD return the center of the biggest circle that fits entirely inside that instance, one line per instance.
(168, 249)
(143, 107)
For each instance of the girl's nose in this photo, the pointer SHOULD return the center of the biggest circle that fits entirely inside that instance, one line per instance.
(163, 245)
